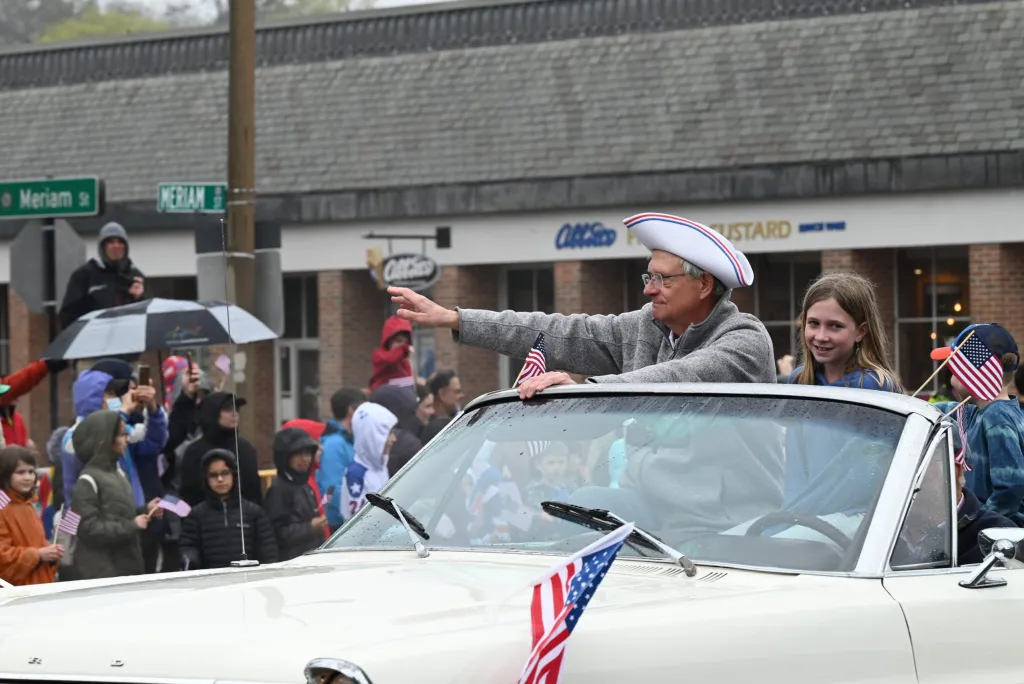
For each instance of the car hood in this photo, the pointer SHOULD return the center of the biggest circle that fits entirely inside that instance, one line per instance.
(386, 611)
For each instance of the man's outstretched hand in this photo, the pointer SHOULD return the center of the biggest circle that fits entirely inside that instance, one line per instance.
(418, 309)
(550, 379)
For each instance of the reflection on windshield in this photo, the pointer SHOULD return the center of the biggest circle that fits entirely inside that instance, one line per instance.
(769, 482)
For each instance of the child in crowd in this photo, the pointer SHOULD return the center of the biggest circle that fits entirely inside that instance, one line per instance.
(995, 428)
(844, 342)
(391, 365)
(374, 429)
(551, 465)
(210, 535)
(291, 504)
(25, 555)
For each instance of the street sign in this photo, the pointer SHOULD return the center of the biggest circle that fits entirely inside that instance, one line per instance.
(192, 198)
(27, 255)
(51, 198)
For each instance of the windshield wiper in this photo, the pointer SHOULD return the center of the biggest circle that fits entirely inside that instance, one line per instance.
(606, 521)
(409, 522)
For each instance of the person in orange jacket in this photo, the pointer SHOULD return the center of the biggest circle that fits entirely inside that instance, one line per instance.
(25, 555)
(20, 384)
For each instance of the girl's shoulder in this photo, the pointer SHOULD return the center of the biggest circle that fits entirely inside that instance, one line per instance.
(867, 378)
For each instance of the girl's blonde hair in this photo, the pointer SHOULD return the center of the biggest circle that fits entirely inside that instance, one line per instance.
(856, 296)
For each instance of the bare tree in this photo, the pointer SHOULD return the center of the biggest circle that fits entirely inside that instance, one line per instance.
(22, 21)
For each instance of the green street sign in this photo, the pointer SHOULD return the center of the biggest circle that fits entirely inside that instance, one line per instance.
(192, 198)
(53, 198)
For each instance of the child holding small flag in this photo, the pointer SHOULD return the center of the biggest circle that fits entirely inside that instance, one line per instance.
(25, 555)
(983, 359)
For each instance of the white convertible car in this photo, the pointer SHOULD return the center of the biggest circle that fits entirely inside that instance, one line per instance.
(783, 534)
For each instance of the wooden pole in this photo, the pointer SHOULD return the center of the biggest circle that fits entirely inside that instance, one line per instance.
(241, 209)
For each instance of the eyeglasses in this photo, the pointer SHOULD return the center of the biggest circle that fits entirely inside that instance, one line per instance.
(219, 475)
(658, 278)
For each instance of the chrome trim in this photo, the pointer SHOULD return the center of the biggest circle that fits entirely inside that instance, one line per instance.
(910, 490)
(1002, 550)
(889, 401)
(336, 666)
(894, 497)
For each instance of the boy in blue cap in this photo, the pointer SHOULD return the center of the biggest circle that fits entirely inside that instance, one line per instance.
(983, 369)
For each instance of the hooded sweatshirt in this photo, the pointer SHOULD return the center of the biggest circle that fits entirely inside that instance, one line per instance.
(21, 538)
(338, 452)
(146, 441)
(727, 346)
(100, 283)
(291, 504)
(391, 366)
(315, 429)
(217, 437)
(211, 535)
(402, 403)
(108, 542)
(371, 425)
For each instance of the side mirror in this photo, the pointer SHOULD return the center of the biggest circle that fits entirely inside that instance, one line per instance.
(1000, 545)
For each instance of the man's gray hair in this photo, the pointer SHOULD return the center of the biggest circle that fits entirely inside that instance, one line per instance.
(695, 272)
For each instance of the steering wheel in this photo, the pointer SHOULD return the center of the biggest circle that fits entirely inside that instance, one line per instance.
(803, 520)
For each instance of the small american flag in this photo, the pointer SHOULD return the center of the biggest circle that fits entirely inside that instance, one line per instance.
(559, 598)
(536, 363)
(978, 369)
(4, 499)
(175, 505)
(69, 523)
(961, 428)
(536, 447)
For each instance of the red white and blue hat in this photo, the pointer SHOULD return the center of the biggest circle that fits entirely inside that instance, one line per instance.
(705, 248)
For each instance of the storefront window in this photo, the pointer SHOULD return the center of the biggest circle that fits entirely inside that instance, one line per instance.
(933, 306)
(526, 289)
(298, 350)
(780, 281)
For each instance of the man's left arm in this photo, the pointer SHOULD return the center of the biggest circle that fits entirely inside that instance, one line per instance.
(1006, 469)
(740, 355)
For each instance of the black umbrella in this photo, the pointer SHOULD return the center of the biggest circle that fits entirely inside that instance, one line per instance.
(156, 324)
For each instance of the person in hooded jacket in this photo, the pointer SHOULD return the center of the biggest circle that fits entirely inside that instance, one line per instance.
(291, 504)
(390, 360)
(107, 280)
(218, 420)
(402, 404)
(108, 543)
(373, 426)
(211, 535)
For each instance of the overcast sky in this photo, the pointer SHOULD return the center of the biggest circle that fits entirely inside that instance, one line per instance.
(157, 6)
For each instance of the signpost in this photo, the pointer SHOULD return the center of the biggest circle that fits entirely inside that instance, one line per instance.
(53, 198)
(192, 198)
(48, 199)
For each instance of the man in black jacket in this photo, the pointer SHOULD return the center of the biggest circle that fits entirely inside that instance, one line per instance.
(211, 535)
(291, 504)
(107, 280)
(218, 420)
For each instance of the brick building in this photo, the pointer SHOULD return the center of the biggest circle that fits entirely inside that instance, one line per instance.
(888, 141)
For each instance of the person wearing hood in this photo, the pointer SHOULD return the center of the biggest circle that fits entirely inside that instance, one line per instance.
(107, 386)
(338, 449)
(211, 535)
(390, 360)
(108, 543)
(374, 429)
(217, 416)
(315, 429)
(291, 504)
(107, 280)
(402, 404)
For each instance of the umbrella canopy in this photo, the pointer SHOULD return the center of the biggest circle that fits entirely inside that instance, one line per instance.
(156, 324)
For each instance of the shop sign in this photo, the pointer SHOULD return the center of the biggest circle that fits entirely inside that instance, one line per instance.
(582, 235)
(821, 226)
(414, 271)
(771, 229)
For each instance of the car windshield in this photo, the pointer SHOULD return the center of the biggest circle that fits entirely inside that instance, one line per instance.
(757, 481)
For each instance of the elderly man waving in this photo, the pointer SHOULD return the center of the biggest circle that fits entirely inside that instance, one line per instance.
(689, 332)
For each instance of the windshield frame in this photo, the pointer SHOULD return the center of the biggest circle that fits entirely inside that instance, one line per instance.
(921, 420)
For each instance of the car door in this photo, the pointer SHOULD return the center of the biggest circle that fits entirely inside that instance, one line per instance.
(958, 634)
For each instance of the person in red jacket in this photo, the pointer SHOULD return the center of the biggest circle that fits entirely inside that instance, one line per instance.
(391, 359)
(20, 384)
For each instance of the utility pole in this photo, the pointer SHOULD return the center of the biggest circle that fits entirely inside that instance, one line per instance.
(241, 205)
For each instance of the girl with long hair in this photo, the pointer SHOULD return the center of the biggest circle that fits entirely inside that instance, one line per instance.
(843, 342)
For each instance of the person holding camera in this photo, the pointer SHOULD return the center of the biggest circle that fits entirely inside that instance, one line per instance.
(107, 280)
